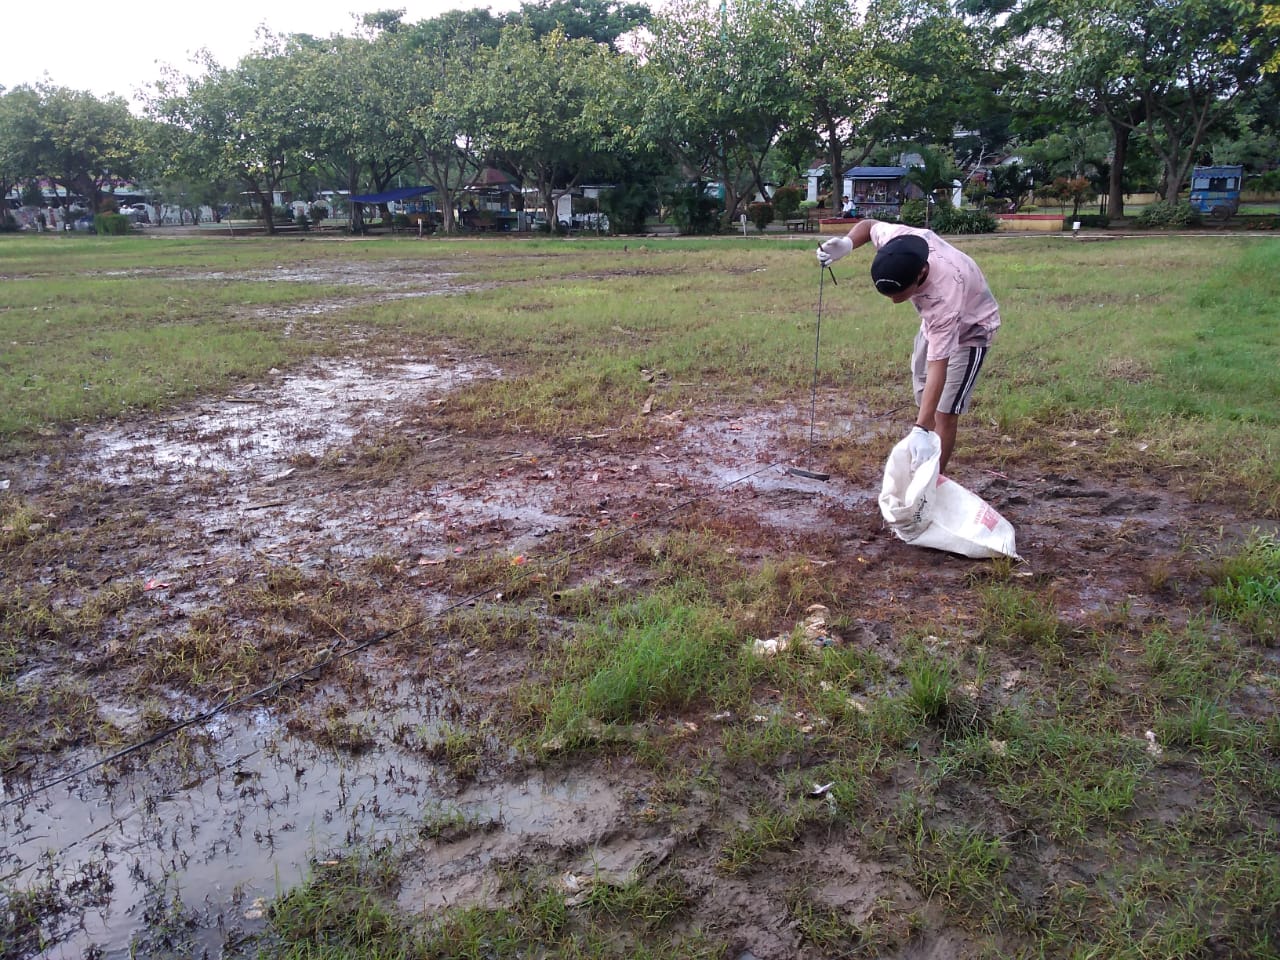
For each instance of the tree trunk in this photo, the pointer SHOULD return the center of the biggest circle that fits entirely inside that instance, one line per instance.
(1115, 182)
(265, 202)
(355, 211)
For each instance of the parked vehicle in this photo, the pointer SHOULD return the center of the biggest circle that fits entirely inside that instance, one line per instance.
(1216, 190)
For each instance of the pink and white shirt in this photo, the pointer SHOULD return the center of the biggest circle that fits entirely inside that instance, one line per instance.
(956, 307)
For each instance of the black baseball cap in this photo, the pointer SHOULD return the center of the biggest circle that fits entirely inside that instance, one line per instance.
(898, 263)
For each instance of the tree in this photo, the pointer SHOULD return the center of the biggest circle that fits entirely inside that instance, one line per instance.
(355, 97)
(1009, 182)
(79, 142)
(1168, 72)
(19, 122)
(902, 69)
(719, 88)
(545, 109)
(935, 171)
(473, 29)
(247, 123)
(436, 112)
(600, 21)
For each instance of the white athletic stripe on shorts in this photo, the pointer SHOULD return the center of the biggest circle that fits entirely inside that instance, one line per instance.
(972, 366)
(962, 375)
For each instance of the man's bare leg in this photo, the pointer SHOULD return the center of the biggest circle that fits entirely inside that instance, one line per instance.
(944, 424)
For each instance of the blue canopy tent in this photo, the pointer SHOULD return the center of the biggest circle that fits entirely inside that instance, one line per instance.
(417, 212)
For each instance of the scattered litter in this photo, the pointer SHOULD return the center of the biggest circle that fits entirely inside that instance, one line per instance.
(648, 404)
(770, 647)
(258, 910)
(722, 716)
(4, 484)
(577, 888)
(1153, 748)
(813, 629)
(154, 584)
(999, 747)
(820, 789)
(760, 718)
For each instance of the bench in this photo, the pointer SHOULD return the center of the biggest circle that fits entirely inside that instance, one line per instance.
(800, 225)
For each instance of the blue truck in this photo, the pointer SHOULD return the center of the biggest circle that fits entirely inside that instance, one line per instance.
(1216, 190)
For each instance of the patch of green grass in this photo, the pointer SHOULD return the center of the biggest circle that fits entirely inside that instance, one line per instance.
(1247, 587)
(448, 824)
(648, 905)
(461, 748)
(1013, 616)
(763, 744)
(1057, 775)
(967, 869)
(767, 830)
(656, 654)
(834, 933)
(344, 909)
(490, 627)
(1191, 661)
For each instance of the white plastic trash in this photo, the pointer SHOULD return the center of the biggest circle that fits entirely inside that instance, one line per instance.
(926, 509)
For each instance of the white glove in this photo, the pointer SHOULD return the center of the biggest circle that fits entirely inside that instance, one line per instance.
(922, 445)
(833, 249)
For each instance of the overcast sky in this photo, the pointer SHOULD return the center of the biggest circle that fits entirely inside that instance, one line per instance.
(121, 48)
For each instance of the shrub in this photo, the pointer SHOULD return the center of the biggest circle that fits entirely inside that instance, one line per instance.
(111, 224)
(786, 201)
(951, 220)
(761, 214)
(1098, 220)
(912, 213)
(626, 206)
(948, 219)
(1169, 214)
(694, 211)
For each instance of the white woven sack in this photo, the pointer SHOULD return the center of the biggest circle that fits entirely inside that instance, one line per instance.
(926, 509)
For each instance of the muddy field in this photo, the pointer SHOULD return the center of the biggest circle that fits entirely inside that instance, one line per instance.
(342, 579)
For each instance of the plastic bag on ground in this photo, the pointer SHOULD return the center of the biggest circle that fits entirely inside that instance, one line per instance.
(926, 509)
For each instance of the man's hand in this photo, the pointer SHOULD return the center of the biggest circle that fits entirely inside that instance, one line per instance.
(921, 444)
(833, 249)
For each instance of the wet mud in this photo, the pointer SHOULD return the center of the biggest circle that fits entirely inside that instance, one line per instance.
(289, 474)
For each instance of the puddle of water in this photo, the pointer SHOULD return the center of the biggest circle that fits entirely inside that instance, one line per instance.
(248, 819)
(256, 434)
(748, 454)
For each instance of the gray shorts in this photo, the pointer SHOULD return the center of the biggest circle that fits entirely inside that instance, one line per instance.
(962, 374)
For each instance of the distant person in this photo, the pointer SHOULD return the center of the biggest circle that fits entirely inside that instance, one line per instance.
(848, 208)
(958, 320)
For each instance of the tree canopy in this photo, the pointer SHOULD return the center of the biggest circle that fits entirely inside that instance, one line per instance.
(745, 94)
